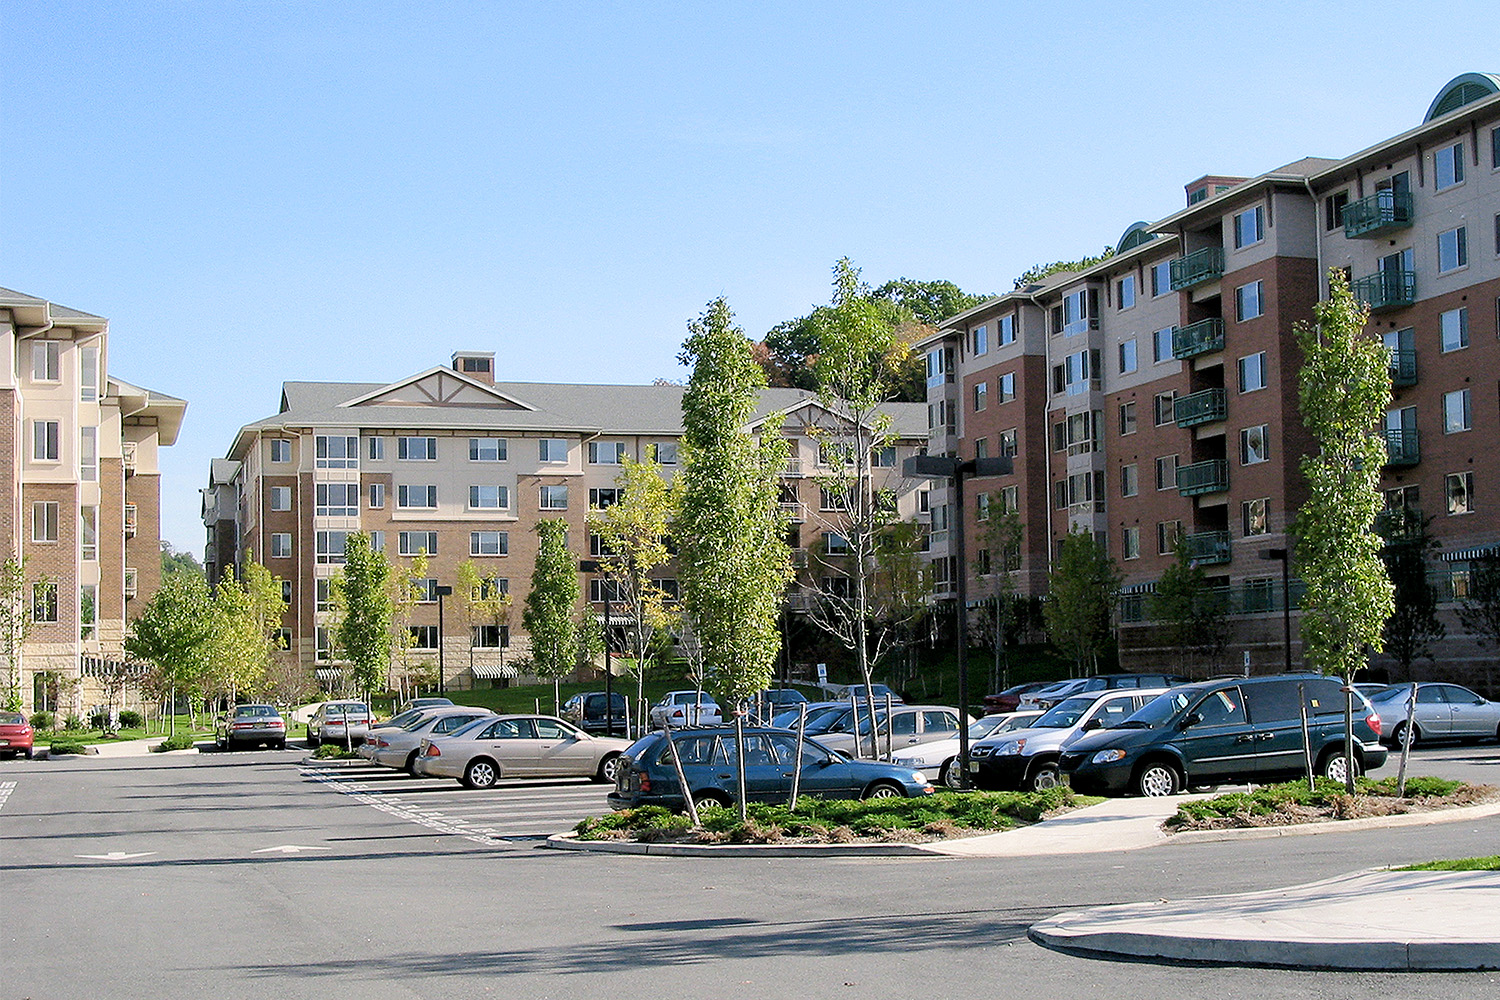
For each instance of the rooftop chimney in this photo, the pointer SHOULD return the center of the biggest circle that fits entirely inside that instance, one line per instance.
(478, 365)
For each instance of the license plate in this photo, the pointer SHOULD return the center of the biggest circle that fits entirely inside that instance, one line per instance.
(4, 743)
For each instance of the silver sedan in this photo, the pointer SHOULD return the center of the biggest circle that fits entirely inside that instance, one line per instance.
(518, 746)
(1444, 712)
(398, 746)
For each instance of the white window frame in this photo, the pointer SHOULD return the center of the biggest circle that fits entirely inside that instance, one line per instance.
(281, 498)
(377, 449)
(547, 497)
(1453, 244)
(406, 493)
(46, 361)
(1448, 165)
(1257, 369)
(88, 374)
(323, 451)
(46, 441)
(414, 543)
(1255, 218)
(477, 497)
(489, 543)
(1125, 292)
(1457, 415)
(1242, 301)
(408, 449)
(46, 521)
(1453, 329)
(1129, 357)
(88, 454)
(281, 450)
(1256, 456)
(377, 496)
(488, 449)
(281, 545)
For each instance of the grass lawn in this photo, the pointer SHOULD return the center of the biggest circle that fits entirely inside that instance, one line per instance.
(1487, 864)
(156, 732)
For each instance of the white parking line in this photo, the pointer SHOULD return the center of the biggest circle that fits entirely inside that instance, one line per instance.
(6, 787)
(396, 809)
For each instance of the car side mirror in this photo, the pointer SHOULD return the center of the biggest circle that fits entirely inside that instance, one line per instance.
(1191, 719)
(1092, 724)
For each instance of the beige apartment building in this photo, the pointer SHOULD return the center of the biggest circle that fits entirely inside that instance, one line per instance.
(1151, 399)
(78, 459)
(453, 464)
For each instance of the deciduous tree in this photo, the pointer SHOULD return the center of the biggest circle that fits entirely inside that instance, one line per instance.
(364, 626)
(1082, 591)
(1413, 626)
(548, 614)
(174, 632)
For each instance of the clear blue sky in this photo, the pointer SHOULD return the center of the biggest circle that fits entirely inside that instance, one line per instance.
(256, 192)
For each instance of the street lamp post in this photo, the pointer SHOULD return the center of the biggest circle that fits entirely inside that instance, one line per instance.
(595, 566)
(1284, 556)
(950, 467)
(441, 592)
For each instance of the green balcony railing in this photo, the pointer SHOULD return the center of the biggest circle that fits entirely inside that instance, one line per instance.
(1196, 268)
(1403, 447)
(1203, 477)
(1403, 368)
(1377, 215)
(1207, 548)
(1202, 337)
(1253, 597)
(1200, 408)
(1386, 290)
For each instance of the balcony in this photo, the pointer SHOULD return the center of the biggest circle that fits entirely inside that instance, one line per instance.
(130, 582)
(1207, 548)
(127, 455)
(130, 520)
(1386, 290)
(795, 512)
(1381, 213)
(1202, 337)
(1403, 368)
(1203, 477)
(1200, 408)
(793, 467)
(1197, 268)
(1402, 447)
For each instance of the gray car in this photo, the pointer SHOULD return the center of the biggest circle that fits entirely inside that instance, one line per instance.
(398, 747)
(338, 722)
(1444, 712)
(249, 725)
(910, 725)
(518, 746)
(1027, 759)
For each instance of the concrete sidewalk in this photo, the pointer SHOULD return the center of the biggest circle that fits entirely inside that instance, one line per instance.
(1385, 920)
(1112, 825)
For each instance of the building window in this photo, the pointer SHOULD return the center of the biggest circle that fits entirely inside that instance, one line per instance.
(487, 449)
(44, 440)
(1455, 329)
(1249, 226)
(424, 590)
(286, 594)
(333, 499)
(939, 366)
(553, 498)
(377, 449)
(1008, 443)
(1247, 301)
(423, 497)
(1403, 497)
(1078, 311)
(1078, 372)
(1449, 164)
(489, 543)
(281, 498)
(1127, 356)
(377, 496)
(281, 450)
(489, 637)
(606, 452)
(982, 448)
(1453, 249)
(1125, 291)
(1005, 330)
(88, 610)
(322, 589)
(88, 454)
(883, 457)
(44, 521)
(833, 499)
(424, 636)
(377, 541)
(88, 374)
(1253, 513)
(1130, 480)
(44, 602)
(553, 450)
(1167, 533)
(1006, 386)
(489, 498)
(1131, 547)
(417, 449)
(1166, 472)
(1253, 372)
(337, 452)
(1459, 488)
(834, 544)
(981, 395)
(1161, 345)
(1333, 210)
(322, 644)
(1163, 406)
(415, 543)
(979, 340)
(1495, 149)
(1456, 411)
(1127, 418)
(88, 533)
(603, 497)
(663, 452)
(45, 362)
(330, 547)
(1255, 446)
(1161, 278)
(281, 545)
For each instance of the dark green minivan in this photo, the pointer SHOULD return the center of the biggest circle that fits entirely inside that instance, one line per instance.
(1222, 731)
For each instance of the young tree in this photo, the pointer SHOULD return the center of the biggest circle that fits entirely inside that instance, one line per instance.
(15, 622)
(240, 648)
(1000, 539)
(405, 596)
(1081, 598)
(902, 587)
(1479, 611)
(733, 557)
(548, 615)
(1345, 389)
(1192, 617)
(175, 632)
(484, 603)
(1414, 626)
(364, 626)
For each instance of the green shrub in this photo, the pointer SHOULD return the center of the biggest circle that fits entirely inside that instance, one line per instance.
(131, 719)
(182, 741)
(64, 745)
(43, 720)
(333, 751)
(73, 724)
(1324, 794)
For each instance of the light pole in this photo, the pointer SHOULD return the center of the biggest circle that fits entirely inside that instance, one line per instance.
(595, 566)
(441, 592)
(1284, 556)
(950, 467)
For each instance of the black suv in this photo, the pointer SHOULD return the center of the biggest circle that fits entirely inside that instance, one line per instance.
(1214, 732)
(586, 711)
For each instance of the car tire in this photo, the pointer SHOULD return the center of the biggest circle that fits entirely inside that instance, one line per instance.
(1044, 776)
(609, 769)
(481, 773)
(884, 790)
(1398, 735)
(410, 767)
(952, 775)
(705, 800)
(29, 751)
(1157, 778)
(279, 745)
(1333, 767)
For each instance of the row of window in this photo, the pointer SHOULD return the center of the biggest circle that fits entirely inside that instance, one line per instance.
(46, 520)
(46, 366)
(1005, 391)
(423, 637)
(342, 451)
(46, 447)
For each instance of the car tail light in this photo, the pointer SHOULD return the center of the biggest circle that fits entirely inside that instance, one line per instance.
(678, 714)
(433, 751)
(1373, 721)
(380, 742)
(244, 725)
(645, 783)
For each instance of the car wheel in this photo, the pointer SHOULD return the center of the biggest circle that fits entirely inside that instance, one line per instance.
(1157, 779)
(609, 769)
(480, 774)
(312, 741)
(1399, 734)
(952, 776)
(279, 745)
(708, 800)
(1335, 767)
(410, 767)
(1045, 776)
(884, 790)
(28, 751)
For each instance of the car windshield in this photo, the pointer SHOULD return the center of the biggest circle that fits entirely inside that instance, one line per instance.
(1159, 710)
(471, 727)
(829, 720)
(408, 717)
(12, 719)
(1064, 714)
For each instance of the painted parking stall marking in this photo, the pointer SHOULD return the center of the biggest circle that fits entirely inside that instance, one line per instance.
(6, 787)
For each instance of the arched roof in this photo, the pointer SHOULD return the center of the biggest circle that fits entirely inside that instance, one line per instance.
(1134, 236)
(1461, 90)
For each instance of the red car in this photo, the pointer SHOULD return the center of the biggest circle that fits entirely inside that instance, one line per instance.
(16, 735)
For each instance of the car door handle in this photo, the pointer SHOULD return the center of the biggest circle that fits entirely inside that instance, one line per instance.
(1267, 736)
(1245, 738)
(546, 746)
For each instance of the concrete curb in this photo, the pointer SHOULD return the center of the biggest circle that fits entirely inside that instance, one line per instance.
(1337, 826)
(570, 842)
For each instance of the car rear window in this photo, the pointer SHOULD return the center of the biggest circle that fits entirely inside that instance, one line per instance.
(254, 711)
(12, 719)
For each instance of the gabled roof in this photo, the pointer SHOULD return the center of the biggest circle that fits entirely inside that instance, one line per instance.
(438, 386)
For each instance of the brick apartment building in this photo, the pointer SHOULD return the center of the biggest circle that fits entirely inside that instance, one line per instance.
(454, 464)
(78, 459)
(1151, 399)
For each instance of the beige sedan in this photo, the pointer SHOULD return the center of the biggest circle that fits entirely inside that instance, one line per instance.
(518, 746)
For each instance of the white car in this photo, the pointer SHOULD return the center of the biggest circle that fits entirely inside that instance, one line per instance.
(398, 747)
(910, 725)
(936, 759)
(686, 708)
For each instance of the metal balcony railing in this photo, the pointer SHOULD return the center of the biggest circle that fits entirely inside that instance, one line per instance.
(1202, 337)
(1403, 447)
(129, 520)
(1197, 268)
(1403, 368)
(1207, 548)
(1386, 290)
(1203, 477)
(1200, 408)
(1377, 215)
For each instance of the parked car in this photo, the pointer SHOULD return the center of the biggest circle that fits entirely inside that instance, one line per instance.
(768, 704)
(1104, 682)
(856, 692)
(426, 703)
(398, 747)
(686, 708)
(251, 725)
(338, 722)
(1028, 758)
(937, 760)
(16, 735)
(1370, 690)
(586, 711)
(1009, 700)
(1444, 712)
(821, 716)
(1213, 732)
(1045, 697)
(909, 726)
(517, 746)
(648, 776)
